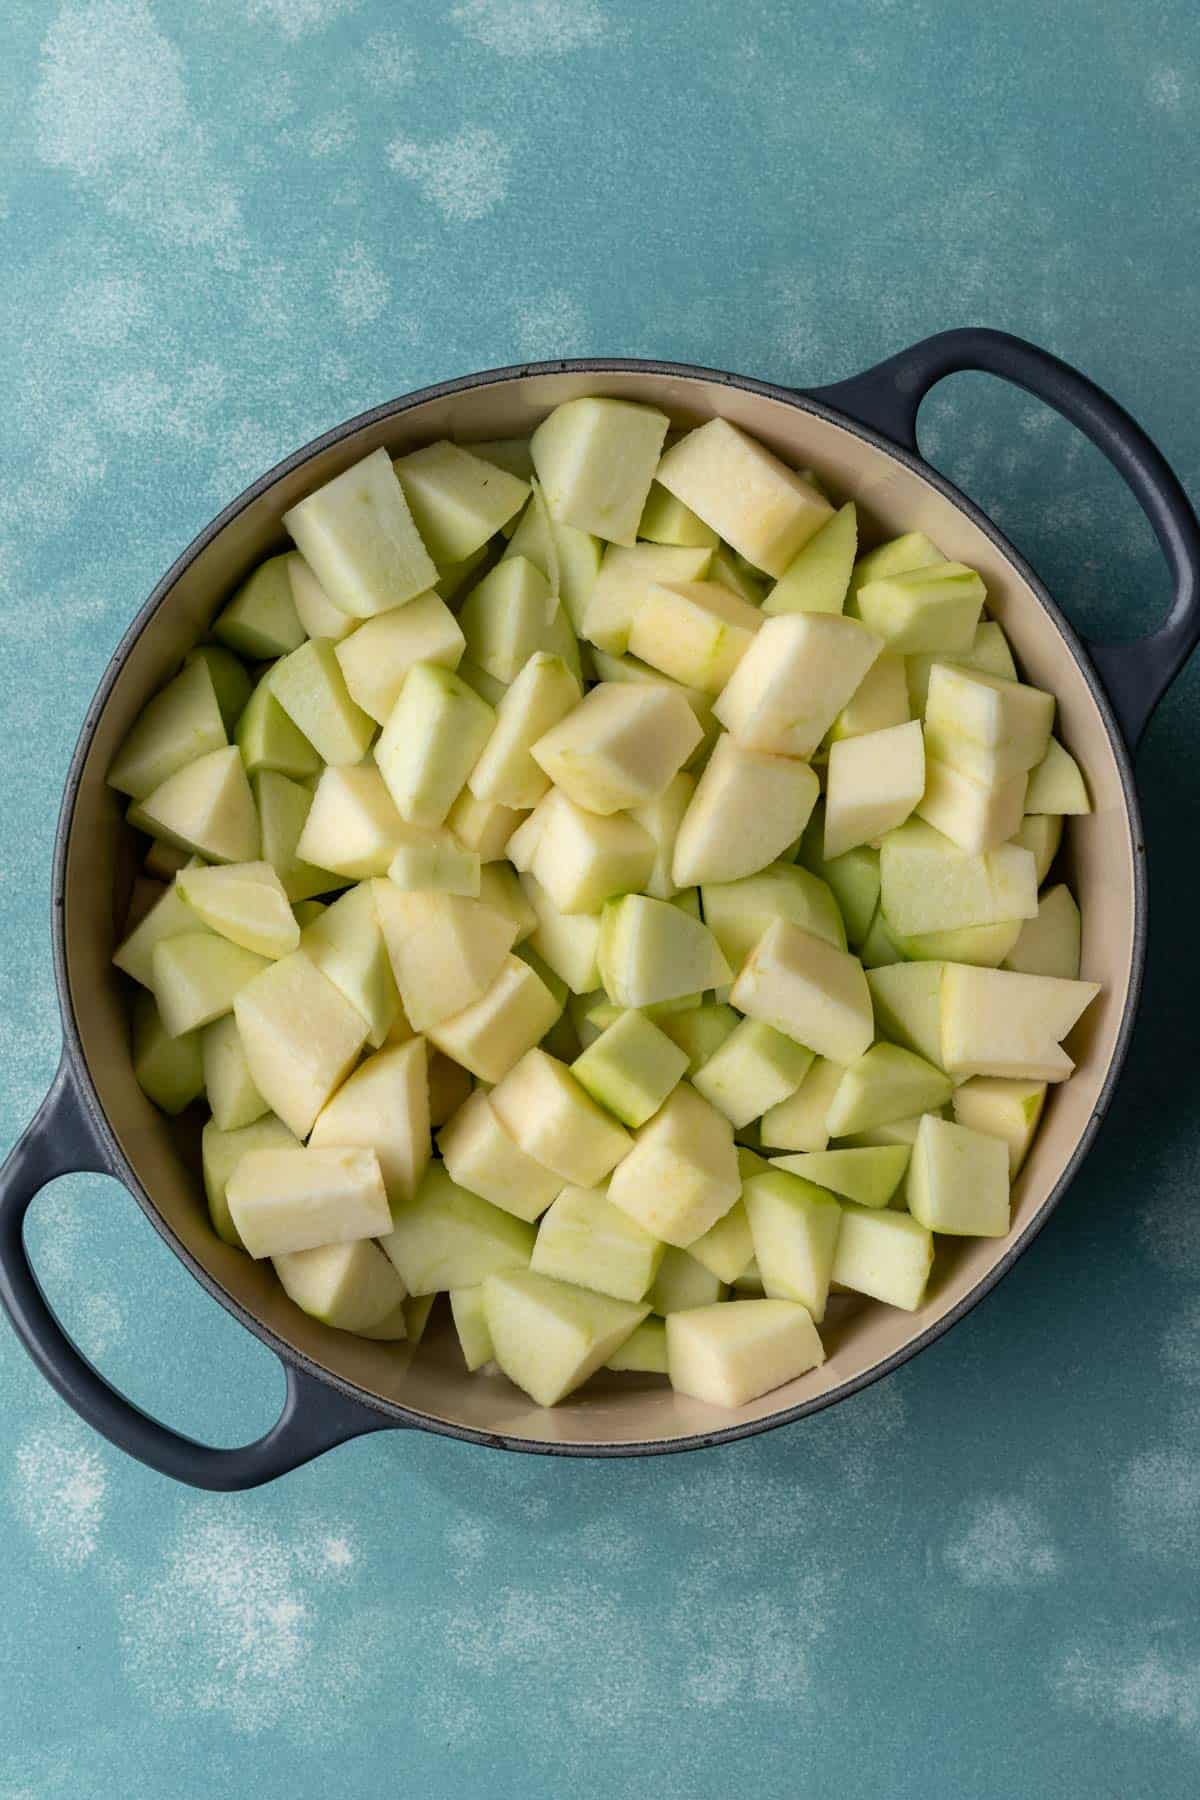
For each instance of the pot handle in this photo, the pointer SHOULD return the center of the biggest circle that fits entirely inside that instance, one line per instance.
(62, 1139)
(887, 398)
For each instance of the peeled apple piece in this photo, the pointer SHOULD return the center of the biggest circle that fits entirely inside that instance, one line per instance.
(1008, 1110)
(494, 1032)
(583, 859)
(989, 651)
(958, 1180)
(179, 724)
(625, 578)
(935, 608)
(549, 1336)
(316, 612)
(228, 1083)
(506, 773)
(683, 1283)
(886, 1083)
(350, 1287)
(474, 1338)
(168, 1068)
(991, 711)
(998, 1022)
(197, 977)
(220, 1154)
(1049, 944)
(261, 620)
(802, 1121)
(378, 654)
(662, 817)
(755, 1068)
(1041, 835)
(431, 742)
(282, 1200)
(929, 884)
(170, 916)
(913, 550)
(483, 1157)
(818, 576)
(205, 808)
(794, 680)
(301, 1037)
(457, 500)
(555, 1120)
(345, 943)
(696, 632)
(885, 1254)
(358, 537)
(730, 1354)
(1056, 785)
(585, 1240)
(352, 825)
(874, 782)
(620, 746)
(649, 951)
(794, 1226)
(244, 902)
(666, 520)
(595, 459)
(738, 912)
(869, 1175)
(384, 1106)
(907, 998)
(681, 1174)
(753, 500)
(747, 809)
(808, 990)
(267, 738)
(507, 616)
(568, 943)
(971, 814)
(880, 700)
(445, 950)
(630, 1068)
(644, 1352)
(444, 1237)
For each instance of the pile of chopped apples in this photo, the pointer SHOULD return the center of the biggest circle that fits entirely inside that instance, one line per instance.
(583, 884)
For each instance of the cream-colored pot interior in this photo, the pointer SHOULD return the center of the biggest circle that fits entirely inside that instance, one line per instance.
(614, 1410)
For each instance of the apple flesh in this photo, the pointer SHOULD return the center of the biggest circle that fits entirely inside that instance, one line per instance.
(682, 1283)
(1008, 1110)
(170, 916)
(568, 943)
(555, 1120)
(935, 608)
(650, 951)
(345, 943)
(314, 609)
(868, 1175)
(989, 652)
(431, 742)
(886, 1083)
(492, 1034)
(261, 620)
(747, 495)
(666, 520)
(549, 1336)
(974, 815)
(809, 990)
(595, 459)
(900, 555)
(220, 1154)
(351, 1287)
(480, 1155)
(801, 1122)
(928, 884)
(470, 1322)
(794, 680)
(747, 809)
(298, 1199)
(1056, 784)
(818, 576)
(457, 500)
(907, 998)
(794, 1226)
(999, 1022)
(312, 691)
(623, 582)
(358, 537)
(583, 858)
(696, 632)
(1049, 944)
(267, 738)
(630, 1068)
(378, 654)
(301, 1037)
(700, 1032)
(621, 746)
(539, 698)
(885, 1254)
(352, 826)
(445, 1237)
(644, 1352)
(585, 1240)
(205, 808)
(169, 1068)
(681, 1175)
(756, 1067)
(234, 1099)
(244, 902)
(958, 1180)
(179, 724)
(879, 701)
(384, 1106)
(729, 1354)
(874, 782)
(445, 950)
(197, 977)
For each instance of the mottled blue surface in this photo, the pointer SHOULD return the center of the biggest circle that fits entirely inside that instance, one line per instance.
(223, 227)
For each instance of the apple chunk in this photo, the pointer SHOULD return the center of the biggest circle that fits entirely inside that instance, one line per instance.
(444, 1237)
(244, 902)
(482, 1156)
(205, 808)
(586, 1240)
(507, 773)
(873, 784)
(431, 742)
(696, 632)
(445, 950)
(817, 577)
(794, 680)
(731, 1353)
(352, 1287)
(457, 500)
(650, 951)
(794, 1226)
(932, 608)
(384, 1106)
(595, 459)
(178, 725)
(681, 1175)
(282, 1200)
(555, 1120)
(885, 1254)
(620, 746)
(301, 1037)
(998, 1022)
(583, 858)
(747, 809)
(808, 990)
(753, 500)
(494, 1032)
(622, 583)
(1008, 1110)
(549, 1336)
(958, 1180)
(378, 654)
(310, 687)
(357, 535)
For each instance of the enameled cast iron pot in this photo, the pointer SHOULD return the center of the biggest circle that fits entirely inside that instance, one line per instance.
(860, 434)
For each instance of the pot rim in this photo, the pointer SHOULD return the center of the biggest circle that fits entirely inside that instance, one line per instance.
(404, 1417)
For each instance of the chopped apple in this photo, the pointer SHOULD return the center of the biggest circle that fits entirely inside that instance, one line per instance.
(481, 1156)
(874, 782)
(285, 1199)
(583, 859)
(623, 583)
(755, 502)
(747, 809)
(568, 943)
(228, 1083)
(630, 1068)
(650, 951)
(729, 1354)
(666, 520)
(586, 1240)
(929, 884)
(346, 944)
(756, 1067)
(358, 537)
(169, 917)
(431, 859)
(700, 1032)
(885, 1254)
(507, 617)
(794, 680)
(794, 1227)
(309, 686)
(450, 1086)
(197, 976)
(958, 1180)
(595, 459)
(934, 608)
(470, 1322)
(972, 815)
(644, 1352)
(220, 1154)
(886, 1083)
(697, 632)
(852, 878)
(350, 1287)
(991, 711)
(178, 725)
(484, 826)
(555, 1120)
(1056, 785)
(809, 990)
(907, 998)
(457, 500)
(431, 742)
(314, 609)
(620, 747)
(549, 1336)
(283, 809)
(1008, 1110)
(1041, 835)
(445, 1237)
(244, 902)
(481, 683)
(301, 1037)
(267, 738)
(727, 1247)
(261, 620)
(1049, 944)
(879, 701)
(377, 656)
(352, 825)
(511, 453)
(662, 817)
(630, 669)
(738, 912)
(818, 576)
(682, 1283)
(999, 1022)
(168, 1067)
(231, 684)
(986, 945)
(205, 808)
(897, 557)
(879, 949)
(492, 1034)
(681, 1175)
(868, 1175)
(801, 1122)
(445, 950)
(989, 651)
(543, 694)
(384, 1106)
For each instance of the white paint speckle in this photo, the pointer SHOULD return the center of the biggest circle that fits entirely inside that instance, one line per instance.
(249, 448)
(99, 1324)
(332, 135)
(1157, 1498)
(106, 312)
(526, 28)
(360, 287)
(1132, 1684)
(1180, 1345)
(59, 1491)
(465, 176)
(1001, 1543)
(1164, 89)
(554, 324)
(296, 18)
(387, 62)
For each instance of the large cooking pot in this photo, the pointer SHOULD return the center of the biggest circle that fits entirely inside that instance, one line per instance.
(860, 435)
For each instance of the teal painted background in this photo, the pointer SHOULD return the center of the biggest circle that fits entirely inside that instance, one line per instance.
(225, 226)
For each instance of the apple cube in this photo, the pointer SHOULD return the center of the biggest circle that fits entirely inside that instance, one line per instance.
(196, 977)
(661, 818)
(809, 990)
(170, 916)
(991, 711)
(697, 632)
(730, 1354)
(929, 884)
(431, 742)
(244, 902)
(896, 1133)
(651, 951)
(794, 1226)
(989, 651)
(283, 808)
(506, 617)
(756, 1067)
(1041, 835)
(907, 998)
(555, 1120)
(973, 816)
(510, 453)
(310, 688)
(205, 808)
(727, 1247)
(801, 1122)
(868, 1175)
(470, 1322)
(301, 1037)
(852, 878)
(700, 1032)
(1056, 785)
(639, 674)
(738, 912)
(644, 1352)
(169, 1068)
(384, 1106)
(377, 656)
(446, 950)
(620, 747)
(350, 1287)
(1008, 1110)
(484, 826)
(595, 459)
(586, 1240)
(220, 1154)
(549, 1336)
(583, 859)
(500, 888)
(358, 537)
(457, 500)
(986, 945)
(267, 738)
(999, 1022)
(623, 582)
(818, 576)
(913, 550)
(886, 1083)
(879, 949)
(179, 724)
(666, 520)
(481, 1156)
(543, 694)
(297, 1199)
(491, 1035)
(874, 782)
(934, 608)
(352, 826)
(445, 1237)
(958, 1180)
(314, 609)
(682, 1282)
(755, 502)
(630, 1068)
(794, 680)
(261, 620)
(345, 943)
(681, 1175)
(879, 701)
(430, 860)
(884, 1254)
(1049, 944)
(568, 943)
(232, 1095)
(747, 809)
